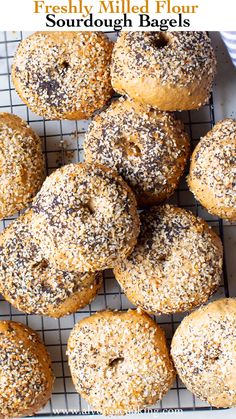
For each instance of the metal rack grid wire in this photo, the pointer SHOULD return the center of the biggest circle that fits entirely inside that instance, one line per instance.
(63, 143)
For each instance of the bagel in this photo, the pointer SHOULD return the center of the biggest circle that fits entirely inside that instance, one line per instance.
(119, 361)
(85, 217)
(170, 71)
(25, 371)
(22, 168)
(213, 170)
(176, 264)
(63, 75)
(148, 148)
(204, 352)
(32, 284)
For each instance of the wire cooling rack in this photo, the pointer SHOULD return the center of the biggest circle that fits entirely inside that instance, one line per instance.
(62, 144)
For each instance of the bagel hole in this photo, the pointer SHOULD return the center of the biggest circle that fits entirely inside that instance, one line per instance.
(162, 258)
(130, 146)
(114, 362)
(42, 265)
(65, 65)
(134, 149)
(91, 206)
(162, 41)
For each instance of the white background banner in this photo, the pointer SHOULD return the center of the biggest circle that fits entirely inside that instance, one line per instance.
(213, 15)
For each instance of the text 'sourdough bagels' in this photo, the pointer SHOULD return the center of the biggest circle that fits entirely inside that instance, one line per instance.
(170, 71)
(85, 217)
(119, 361)
(63, 75)
(204, 352)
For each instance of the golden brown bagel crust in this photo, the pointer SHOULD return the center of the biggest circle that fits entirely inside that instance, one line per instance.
(63, 75)
(213, 170)
(176, 264)
(170, 71)
(25, 371)
(148, 148)
(204, 352)
(22, 169)
(85, 217)
(31, 283)
(119, 361)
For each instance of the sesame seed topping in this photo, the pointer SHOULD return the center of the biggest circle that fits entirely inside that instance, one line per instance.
(85, 217)
(148, 148)
(63, 75)
(119, 361)
(21, 164)
(203, 349)
(213, 170)
(176, 264)
(31, 283)
(184, 57)
(25, 371)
